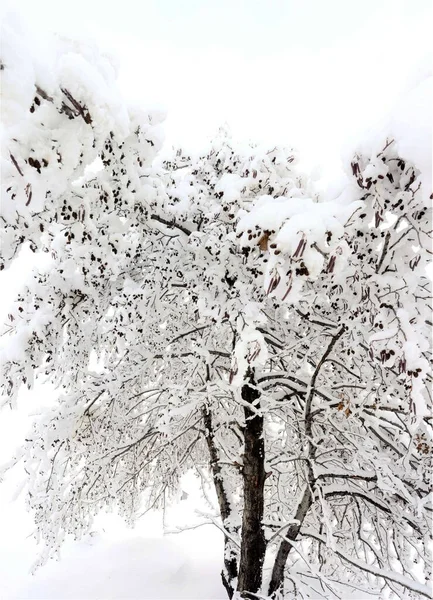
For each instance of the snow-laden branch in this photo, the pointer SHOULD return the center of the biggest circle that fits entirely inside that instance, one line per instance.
(408, 584)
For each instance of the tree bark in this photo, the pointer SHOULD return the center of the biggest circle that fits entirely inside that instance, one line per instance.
(253, 543)
(230, 571)
(277, 578)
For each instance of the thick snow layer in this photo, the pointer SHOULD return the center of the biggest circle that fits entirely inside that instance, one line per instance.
(410, 124)
(131, 568)
(113, 562)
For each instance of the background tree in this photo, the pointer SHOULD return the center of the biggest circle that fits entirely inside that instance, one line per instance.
(213, 313)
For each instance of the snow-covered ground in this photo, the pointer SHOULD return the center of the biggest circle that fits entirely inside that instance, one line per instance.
(113, 562)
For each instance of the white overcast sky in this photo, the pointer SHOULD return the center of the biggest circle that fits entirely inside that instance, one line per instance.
(308, 73)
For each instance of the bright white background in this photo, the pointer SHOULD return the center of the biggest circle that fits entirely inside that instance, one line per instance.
(315, 74)
(309, 73)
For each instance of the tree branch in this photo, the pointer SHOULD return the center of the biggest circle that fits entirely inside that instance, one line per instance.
(405, 582)
(171, 224)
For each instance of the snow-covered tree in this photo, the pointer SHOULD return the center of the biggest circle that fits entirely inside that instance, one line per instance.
(214, 313)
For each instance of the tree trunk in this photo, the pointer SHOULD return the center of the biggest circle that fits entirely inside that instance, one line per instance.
(253, 543)
(277, 578)
(230, 571)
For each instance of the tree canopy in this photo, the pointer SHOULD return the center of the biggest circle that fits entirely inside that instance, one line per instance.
(216, 313)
